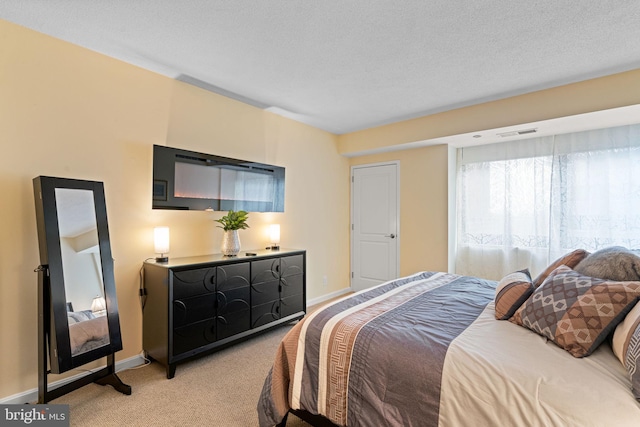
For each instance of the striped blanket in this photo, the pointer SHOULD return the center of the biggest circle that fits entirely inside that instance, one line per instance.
(360, 358)
(426, 350)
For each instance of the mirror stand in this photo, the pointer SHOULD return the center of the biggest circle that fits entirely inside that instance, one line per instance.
(104, 376)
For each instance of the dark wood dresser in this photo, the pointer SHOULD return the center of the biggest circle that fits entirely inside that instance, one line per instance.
(197, 305)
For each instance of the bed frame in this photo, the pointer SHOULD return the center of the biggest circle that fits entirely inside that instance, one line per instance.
(308, 417)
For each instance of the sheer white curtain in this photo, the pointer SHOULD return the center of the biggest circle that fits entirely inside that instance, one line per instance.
(523, 204)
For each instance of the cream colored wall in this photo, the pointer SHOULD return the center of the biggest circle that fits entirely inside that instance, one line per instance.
(66, 111)
(423, 206)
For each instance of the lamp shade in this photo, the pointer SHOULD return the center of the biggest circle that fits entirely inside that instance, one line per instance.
(98, 305)
(161, 240)
(274, 236)
(274, 233)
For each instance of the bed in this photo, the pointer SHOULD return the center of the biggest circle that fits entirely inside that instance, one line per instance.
(428, 350)
(86, 331)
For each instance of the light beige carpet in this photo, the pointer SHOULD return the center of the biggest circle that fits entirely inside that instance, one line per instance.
(220, 389)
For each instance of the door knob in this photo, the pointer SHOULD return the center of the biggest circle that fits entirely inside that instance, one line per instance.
(393, 236)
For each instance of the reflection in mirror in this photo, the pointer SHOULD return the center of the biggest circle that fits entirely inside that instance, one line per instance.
(82, 272)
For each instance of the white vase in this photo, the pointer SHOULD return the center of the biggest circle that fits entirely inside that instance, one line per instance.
(230, 243)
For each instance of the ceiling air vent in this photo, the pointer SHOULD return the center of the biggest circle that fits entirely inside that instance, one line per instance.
(517, 132)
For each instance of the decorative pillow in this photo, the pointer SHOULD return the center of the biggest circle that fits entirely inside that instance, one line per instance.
(570, 260)
(511, 292)
(576, 312)
(626, 346)
(613, 263)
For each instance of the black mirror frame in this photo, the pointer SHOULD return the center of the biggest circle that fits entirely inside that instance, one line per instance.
(59, 345)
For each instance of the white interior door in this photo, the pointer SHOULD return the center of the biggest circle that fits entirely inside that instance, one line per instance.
(374, 225)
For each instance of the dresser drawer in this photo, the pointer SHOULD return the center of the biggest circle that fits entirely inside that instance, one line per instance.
(291, 266)
(233, 300)
(291, 305)
(194, 309)
(265, 313)
(265, 270)
(230, 324)
(193, 336)
(265, 292)
(292, 285)
(233, 276)
(193, 282)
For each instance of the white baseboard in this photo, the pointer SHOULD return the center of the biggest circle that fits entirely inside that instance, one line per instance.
(32, 395)
(327, 297)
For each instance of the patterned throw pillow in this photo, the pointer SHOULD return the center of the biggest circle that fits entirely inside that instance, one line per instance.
(570, 260)
(626, 346)
(511, 292)
(576, 312)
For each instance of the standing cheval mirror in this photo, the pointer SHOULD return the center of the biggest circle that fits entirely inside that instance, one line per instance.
(78, 318)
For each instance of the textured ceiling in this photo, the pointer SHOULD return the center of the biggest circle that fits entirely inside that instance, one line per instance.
(348, 65)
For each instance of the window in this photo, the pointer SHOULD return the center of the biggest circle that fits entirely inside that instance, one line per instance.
(523, 204)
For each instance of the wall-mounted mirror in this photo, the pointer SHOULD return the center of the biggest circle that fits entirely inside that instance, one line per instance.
(78, 306)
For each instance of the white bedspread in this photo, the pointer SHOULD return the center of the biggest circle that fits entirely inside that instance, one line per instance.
(493, 368)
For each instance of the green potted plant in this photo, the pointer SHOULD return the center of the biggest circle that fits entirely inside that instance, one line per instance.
(231, 223)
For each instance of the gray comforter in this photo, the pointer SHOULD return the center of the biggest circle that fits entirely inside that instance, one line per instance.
(365, 355)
